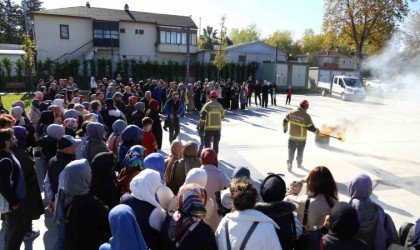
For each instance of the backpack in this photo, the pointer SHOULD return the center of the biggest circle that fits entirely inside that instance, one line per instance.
(404, 232)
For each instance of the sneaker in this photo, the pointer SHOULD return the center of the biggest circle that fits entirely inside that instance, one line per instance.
(289, 166)
(32, 235)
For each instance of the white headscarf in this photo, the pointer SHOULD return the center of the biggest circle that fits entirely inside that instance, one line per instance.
(59, 103)
(197, 176)
(145, 185)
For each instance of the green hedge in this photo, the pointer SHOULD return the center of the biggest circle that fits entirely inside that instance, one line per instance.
(81, 70)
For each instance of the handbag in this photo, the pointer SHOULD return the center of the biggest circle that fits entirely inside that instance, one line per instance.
(309, 240)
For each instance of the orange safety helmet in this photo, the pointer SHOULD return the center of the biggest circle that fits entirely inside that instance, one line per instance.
(213, 94)
(304, 104)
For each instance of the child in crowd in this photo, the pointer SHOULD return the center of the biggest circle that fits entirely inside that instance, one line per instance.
(149, 141)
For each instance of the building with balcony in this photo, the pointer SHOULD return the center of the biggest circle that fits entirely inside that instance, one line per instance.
(330, 59)
(86, 32)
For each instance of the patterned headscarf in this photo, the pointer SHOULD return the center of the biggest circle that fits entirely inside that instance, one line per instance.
(191, 209)
(35, 103)
(134, 158)
(71, 123)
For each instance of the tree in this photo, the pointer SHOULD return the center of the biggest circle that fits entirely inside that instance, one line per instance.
(364, 25)
(219, 59)
(28, 58)
(249, 34)
(411, 35)
(285, 41)
(312, 42)
(32, 5)
(10, 27)
(208, 38)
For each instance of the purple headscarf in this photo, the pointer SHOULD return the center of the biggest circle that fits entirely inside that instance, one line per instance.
(360, 189)
(21, 134)
(95, 130)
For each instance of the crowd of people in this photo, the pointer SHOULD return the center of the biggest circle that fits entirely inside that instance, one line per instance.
(109, 186)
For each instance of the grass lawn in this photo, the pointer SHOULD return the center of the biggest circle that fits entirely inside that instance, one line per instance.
(8, 99)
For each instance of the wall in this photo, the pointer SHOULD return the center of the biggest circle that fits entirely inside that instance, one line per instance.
(50, 45)
(133, 45)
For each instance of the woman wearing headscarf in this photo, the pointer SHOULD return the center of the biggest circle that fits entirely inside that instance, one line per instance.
(195, 176)
(216, 180)
(59, 103)
(104, 182)
(47, 118)
(273, 191)
(132, 166)
(343, 225)
(94, 143)
(18, 113)
(131, 102)
(48, 143)
(71, 113)
(186, 228)
(142, 200)
(71, 125)
(34, 113)
(138, 114)
(176, 154)
(130, 136)
(232, 230)
(32, 203)
(52, 92)
(181, 167)
(39, 95)
(125, 231)
(153, 113)
(376, 227)
(115, 138)
(84, 216)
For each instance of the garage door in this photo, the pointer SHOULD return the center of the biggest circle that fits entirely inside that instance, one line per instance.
(281, 79)
(299, 75)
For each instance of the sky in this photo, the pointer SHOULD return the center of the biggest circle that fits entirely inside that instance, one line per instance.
(268, 15)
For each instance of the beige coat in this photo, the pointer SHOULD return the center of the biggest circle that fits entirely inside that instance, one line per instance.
(216, 181)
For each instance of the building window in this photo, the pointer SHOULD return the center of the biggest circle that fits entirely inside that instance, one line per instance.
(173, 37)
(162, 36)
(183, 38)
(136, 32)
(168, 37)
(242, 58)
(193, 39)
(212, 56)
(64, 31)
(141, 32)
(344, 61)
(178, 38)
(122, 30)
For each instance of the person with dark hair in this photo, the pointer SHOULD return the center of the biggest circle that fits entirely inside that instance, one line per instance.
(111, 114)
(148, 141)
(320, 197)
(66, 152)
(289, 92)
(376, 227)
(32, 203)
(12, 190)
(47, 118)
(85, 217)
(173, 109)
(132, 100)
(104, 182)
(245, 227)
(181, 167)
(48, 143)
(186, 228)
(273, 89)
(153, 113)
(96, 108)
(341, 227)
(273, 191)
(138, 114)
(264, 92)
(257, 92)
(216, 180)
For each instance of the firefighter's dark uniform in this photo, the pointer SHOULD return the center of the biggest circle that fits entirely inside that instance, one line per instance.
(300, 122)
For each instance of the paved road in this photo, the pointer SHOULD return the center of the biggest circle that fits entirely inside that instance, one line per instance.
(382, 140)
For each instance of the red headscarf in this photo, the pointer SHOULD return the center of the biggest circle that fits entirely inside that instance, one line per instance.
(209, 156)
(132, 100)
(153, 105)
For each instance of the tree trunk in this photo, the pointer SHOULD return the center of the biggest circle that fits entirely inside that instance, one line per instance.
(359, 60)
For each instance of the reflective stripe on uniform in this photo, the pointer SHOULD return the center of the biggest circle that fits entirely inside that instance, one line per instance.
(300, 138)
(209, 115)
(302, 127)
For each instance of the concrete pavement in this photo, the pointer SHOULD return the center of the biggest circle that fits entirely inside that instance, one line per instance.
(382, 140)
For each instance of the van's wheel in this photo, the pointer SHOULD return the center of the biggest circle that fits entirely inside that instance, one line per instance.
(343, 97)
(324, 92)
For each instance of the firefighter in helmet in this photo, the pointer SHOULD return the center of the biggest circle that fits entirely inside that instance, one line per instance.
(300, 121)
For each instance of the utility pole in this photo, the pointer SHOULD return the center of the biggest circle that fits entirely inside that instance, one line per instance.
(187, 75)
(25, 12)
(199, 29)
(275, 65)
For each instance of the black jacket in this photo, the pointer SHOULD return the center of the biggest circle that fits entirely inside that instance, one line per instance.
(282, 213)
(331, 242)
(201, 238)
(56, 165)
(10, 168)
(48, 146)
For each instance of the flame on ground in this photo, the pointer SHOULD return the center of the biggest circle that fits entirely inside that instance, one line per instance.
(334, 131)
